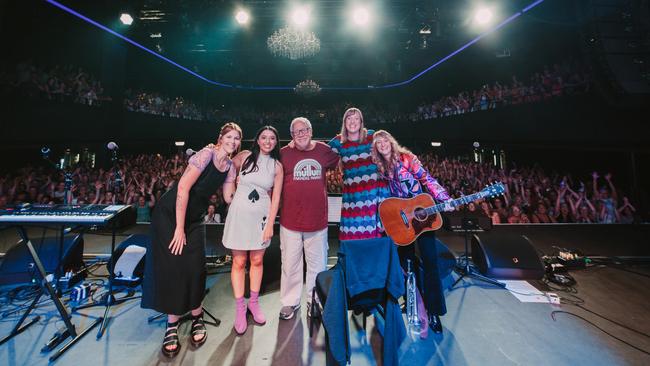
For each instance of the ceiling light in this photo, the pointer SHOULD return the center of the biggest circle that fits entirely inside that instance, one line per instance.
(483, 16)
(126, 19)
(300, 16)
(361, 16)
(242, 17)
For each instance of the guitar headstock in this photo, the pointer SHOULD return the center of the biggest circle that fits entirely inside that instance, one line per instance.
(493, 190)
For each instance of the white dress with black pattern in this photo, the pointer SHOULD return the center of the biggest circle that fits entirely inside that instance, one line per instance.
(250, 206)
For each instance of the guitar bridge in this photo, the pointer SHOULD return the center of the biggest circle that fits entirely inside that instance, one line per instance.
(404, 218)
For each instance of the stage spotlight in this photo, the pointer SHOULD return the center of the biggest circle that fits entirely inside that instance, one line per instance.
(300, 16)
(361, 16)
(483, 16)
(242, 17)
(126, 18)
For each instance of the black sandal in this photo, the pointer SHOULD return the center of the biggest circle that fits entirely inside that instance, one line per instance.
(198, 328)
(171, 339)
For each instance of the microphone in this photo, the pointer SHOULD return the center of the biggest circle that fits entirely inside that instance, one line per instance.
(45, 151)
(112, 146)
(190, 152)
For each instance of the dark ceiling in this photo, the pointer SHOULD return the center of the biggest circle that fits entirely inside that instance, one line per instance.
(203, 36)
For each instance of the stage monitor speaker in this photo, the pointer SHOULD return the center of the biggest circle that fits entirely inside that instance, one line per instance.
(127, 262)
(506, 256)
(18, 265)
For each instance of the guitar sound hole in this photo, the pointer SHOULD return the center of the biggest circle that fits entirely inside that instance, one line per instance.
(420, 214)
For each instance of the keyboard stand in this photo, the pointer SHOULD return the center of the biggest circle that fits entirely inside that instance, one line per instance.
(59, 337)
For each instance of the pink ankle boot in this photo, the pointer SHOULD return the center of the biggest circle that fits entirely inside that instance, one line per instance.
(254, 308)
(240, 316)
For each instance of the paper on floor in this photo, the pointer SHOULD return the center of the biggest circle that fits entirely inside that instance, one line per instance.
(525, 292)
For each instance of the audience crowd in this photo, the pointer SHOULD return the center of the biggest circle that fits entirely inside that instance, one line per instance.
(556, 81)
(561, 79)
(58, 83)
(531, 195)
(158, 104)
(66, 83)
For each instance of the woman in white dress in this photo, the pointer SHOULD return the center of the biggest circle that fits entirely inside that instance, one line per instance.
(249, 223)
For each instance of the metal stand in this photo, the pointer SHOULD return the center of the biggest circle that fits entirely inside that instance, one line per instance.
(47, 287)
(470, 225)
(67, 192)
(215, 321)
(109, 299)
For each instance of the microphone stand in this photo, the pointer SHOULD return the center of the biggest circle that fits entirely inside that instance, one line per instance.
(67, 204)
(464, 269)
(67, 194)
(117, 176)
(67, 175)
(109, 299)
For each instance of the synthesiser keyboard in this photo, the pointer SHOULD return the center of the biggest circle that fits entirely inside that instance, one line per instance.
(101, 215)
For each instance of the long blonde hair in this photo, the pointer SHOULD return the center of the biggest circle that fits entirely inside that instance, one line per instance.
(363, 132)
(387, 167)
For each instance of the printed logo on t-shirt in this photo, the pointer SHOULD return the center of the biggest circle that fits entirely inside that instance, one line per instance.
(307, 169)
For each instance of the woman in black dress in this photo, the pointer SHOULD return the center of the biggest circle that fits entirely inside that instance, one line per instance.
(174, 281)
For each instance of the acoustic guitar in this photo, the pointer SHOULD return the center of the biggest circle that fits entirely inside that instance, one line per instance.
(404, 219)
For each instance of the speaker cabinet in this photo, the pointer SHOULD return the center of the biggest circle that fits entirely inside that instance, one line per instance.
(506, 256)
(18, 265)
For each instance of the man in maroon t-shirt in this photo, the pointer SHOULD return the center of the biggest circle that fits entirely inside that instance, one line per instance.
(303, 213)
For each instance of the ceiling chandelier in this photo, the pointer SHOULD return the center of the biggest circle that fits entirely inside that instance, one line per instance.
(307, 88)
(293, 43)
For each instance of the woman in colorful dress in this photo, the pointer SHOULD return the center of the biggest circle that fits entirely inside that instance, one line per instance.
(362, 190)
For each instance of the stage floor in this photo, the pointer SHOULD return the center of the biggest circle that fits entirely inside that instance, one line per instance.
(484, 325)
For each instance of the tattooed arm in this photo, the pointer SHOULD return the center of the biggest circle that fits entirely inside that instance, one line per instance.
(186, 182)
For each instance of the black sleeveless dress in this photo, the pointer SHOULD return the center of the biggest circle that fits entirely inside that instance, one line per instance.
(175, 284)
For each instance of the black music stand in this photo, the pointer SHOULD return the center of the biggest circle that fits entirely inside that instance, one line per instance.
(69, 331)
(470, 225)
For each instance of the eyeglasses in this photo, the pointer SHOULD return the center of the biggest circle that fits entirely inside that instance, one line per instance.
(300, 132)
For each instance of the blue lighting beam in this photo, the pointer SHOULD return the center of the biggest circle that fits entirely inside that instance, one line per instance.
(261, 87)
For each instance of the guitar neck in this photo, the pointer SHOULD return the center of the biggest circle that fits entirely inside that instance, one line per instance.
(455, 203)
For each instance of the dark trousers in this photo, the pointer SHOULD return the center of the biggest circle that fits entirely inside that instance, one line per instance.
(427, 272)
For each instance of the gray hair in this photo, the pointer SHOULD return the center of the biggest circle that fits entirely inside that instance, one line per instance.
(299, 119)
